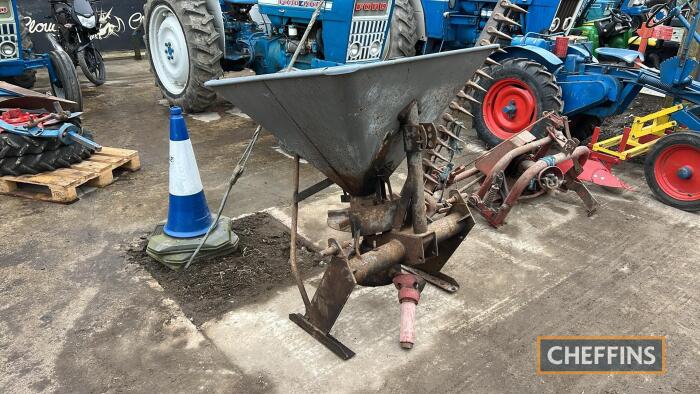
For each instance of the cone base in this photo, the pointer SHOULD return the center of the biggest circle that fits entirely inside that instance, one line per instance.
(175, 252)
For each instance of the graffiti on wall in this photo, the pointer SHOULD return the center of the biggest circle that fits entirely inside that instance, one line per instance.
(121, 18)
(113, 25)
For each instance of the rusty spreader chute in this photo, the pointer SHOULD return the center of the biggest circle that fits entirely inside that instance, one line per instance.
(356, 124)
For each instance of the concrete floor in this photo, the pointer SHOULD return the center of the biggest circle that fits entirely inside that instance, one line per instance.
(75, 317)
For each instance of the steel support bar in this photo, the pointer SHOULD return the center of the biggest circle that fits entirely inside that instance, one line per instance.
(414, 160)
(311, 190)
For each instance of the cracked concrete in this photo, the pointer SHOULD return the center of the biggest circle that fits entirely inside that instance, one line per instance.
(76, 317)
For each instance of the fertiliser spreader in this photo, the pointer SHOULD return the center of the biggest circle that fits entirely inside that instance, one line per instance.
(356, 124)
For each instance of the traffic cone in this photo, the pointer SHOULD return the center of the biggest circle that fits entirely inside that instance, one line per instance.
(189, 217)
(188, 213)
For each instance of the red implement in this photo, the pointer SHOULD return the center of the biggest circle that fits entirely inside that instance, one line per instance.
(600, 173)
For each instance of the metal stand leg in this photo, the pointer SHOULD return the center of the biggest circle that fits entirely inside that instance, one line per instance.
(335, 288)
(293, 237)
(414, 159)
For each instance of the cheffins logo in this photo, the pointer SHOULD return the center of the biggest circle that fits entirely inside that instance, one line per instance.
(576, 355)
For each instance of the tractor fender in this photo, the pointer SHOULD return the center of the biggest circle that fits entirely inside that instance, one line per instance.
(420, 18)
(214, 8)
(540, 55)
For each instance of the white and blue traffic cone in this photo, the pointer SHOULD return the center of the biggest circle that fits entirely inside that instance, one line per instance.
(189, 217)
(188, 213)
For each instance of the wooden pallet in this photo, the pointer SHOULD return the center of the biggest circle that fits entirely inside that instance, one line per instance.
(62, 184)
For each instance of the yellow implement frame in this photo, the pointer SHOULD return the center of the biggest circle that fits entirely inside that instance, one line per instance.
(634, 141)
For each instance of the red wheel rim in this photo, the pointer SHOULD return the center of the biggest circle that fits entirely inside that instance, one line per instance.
(509, 107)
(676, 172)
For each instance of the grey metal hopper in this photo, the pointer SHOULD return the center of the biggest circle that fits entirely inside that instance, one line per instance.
(343, 119)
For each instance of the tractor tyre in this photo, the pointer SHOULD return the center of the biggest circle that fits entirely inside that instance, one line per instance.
(13, 145)
(403, 33)
(28, 78)
(68, 86)
(519, 93)
(182, 43)
(48, 160)
(672, 170)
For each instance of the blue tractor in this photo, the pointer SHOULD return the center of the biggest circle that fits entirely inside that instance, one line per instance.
(19, 63)
(193, 41)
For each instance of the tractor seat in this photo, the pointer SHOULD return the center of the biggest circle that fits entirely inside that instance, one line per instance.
(625, 55)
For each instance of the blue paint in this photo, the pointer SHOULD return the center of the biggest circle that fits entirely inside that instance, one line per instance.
(188, 216)
(178, 127)
(685, 172)
(588, 88)
(510, 109)
(265, 48)
(26, 61)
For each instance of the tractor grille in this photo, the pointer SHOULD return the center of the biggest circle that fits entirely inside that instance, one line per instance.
(8, 39)
(365, 33)
(368, 30)
(565, 18)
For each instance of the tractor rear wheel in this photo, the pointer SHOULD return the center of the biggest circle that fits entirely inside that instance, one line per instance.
(403, 32)
(520, 91)
(672, 170)
(68, 85)
(182, 42)
(28, 78)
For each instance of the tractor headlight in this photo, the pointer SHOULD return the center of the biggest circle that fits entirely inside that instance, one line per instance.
(354, 50)
(375, 48)
(8, 49)
(89, 22)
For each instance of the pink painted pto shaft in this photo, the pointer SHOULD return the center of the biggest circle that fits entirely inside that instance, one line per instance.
(407, 284)
(407, 335)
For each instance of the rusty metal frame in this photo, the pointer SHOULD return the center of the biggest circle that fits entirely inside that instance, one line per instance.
(395, 234)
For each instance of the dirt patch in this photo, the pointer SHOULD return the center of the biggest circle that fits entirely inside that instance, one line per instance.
(210, 288)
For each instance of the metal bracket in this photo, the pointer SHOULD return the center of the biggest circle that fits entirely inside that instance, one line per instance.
(572, 183)
(311, 190)
(327, 340)
(336, 286)
(437, 279)
(419, 247)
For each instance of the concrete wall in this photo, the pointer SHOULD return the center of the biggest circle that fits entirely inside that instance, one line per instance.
(124, 16)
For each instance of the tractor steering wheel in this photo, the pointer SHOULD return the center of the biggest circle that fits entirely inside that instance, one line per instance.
(620, 17)
(657, 9)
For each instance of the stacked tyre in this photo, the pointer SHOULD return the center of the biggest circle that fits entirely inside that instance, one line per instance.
(20, 155)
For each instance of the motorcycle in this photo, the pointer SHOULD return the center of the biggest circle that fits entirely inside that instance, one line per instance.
(77, 21)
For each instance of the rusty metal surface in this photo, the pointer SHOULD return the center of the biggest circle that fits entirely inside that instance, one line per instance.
(365, 268)
(333, 291)
(495, 212)
(325, 338)
(370, 217)
(437, 279)
(343, 120)
(419, 247)
(488, 161)
(28, 99)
